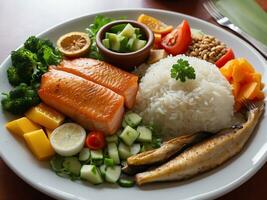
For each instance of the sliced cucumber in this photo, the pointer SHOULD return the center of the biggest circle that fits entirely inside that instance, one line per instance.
(56, 163)
(124, 151)
(132, 119)
(129, 135)
(73, 165)
(84, 154)
(113, 174)
(135, 149)
(113, 138)
(145, 134)
(128, 31)
(97, 154)
(106, 43)
(138, 44)
(126, 182)
(91, 174)
(113, 153)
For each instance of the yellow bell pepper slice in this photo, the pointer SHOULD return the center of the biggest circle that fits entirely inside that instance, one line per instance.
(39, 144)
(45, 116)
(21, 126)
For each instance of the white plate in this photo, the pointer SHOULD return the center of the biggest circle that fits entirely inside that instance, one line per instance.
(208, 185)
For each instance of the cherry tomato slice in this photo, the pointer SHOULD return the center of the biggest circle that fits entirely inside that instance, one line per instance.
(177, 41)
(154, 24)
(229, 55)
(95, 140)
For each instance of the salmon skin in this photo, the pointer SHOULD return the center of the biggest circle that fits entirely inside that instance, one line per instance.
(121, 82)
(89, 104)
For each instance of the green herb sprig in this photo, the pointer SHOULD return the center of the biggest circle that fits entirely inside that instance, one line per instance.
(182, 70)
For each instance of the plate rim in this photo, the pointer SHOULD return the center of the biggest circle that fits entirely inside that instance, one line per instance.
(212, 194)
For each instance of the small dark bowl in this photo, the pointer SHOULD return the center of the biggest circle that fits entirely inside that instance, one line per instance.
(126, 61)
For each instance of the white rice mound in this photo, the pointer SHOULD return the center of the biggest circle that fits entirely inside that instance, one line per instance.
(177, 108)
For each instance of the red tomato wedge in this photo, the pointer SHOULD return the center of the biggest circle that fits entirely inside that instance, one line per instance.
(177, 41)
(95, 140)
(229, 55)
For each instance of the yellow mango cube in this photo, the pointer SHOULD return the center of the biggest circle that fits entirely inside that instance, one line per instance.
(39, 144)
(45, 116)
(48, 132)
(21, 126)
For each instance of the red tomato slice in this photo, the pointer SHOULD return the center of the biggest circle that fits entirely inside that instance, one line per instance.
(177, 41)
(229, 55)
(95, 140)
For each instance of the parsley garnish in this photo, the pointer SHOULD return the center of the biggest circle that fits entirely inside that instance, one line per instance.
(182, 70)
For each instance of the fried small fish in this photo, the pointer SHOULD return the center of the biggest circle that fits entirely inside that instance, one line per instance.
(208, 154)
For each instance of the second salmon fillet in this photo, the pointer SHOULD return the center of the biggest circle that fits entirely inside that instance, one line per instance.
(121, 82)
(91, 105)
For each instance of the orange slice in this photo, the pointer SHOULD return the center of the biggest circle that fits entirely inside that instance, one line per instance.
(74, 44)
(154, 24)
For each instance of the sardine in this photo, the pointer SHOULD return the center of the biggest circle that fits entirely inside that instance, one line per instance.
(167, 150)
(208, 154)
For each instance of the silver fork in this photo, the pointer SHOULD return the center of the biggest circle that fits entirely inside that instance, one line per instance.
(224, 21)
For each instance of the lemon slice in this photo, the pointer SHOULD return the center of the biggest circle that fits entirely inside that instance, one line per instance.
(68, 139)
(74, 44)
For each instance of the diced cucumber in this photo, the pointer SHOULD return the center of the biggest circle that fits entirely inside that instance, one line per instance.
(109, 162)
(130, 44)
(96, 154)
(113, 174)
(115, 41)
(117, 28)
(91, 174)
(123, 45)
(113, 152)
(137, 31)
(113, 138)
(146, 147)
(129, 135)
(84, 154)
(135, 149)
(126, 182)
(128, 31)
(124, 151)
(124, 124)
(138, 44)
(56, 163)
(132, 119)
(106, 43)
(145, 134)
(102, 169)
(72, 164)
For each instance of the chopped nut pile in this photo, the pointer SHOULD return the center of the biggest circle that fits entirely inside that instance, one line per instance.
(207, 48)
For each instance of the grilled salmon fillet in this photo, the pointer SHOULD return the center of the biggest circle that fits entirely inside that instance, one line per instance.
(93, 106)
(121, 82)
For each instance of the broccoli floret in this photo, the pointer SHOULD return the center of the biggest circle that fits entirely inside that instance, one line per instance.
(49, 55)
(20, 99)
(13, 76)
(32, 44)
(37, 74)
(45, 50)
(23, 64)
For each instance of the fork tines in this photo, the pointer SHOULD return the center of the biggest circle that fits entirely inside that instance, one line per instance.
(212, 10)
